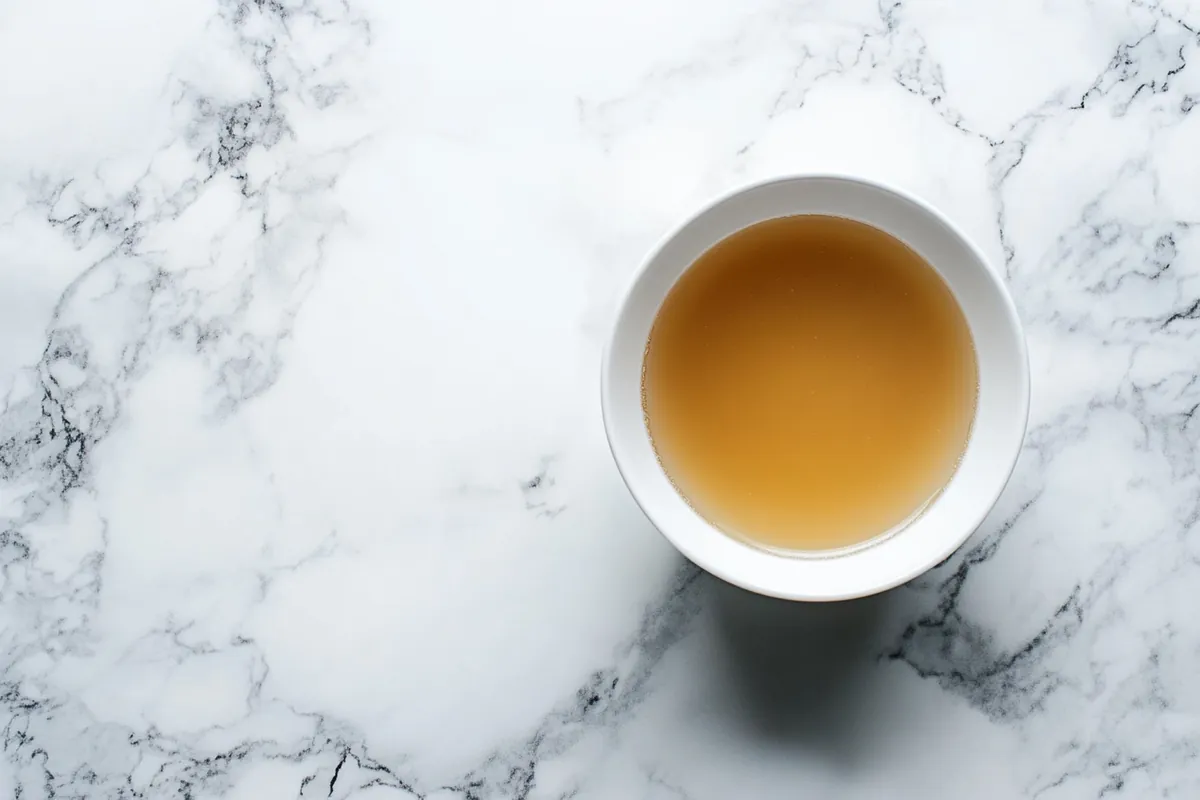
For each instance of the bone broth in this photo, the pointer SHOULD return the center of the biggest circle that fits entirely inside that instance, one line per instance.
(809, 383)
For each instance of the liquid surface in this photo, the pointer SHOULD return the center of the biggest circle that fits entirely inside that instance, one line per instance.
(810, 383)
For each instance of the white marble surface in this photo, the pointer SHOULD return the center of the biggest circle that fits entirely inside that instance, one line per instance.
(303, 488)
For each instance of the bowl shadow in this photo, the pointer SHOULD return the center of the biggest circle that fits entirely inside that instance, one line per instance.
(797, 672)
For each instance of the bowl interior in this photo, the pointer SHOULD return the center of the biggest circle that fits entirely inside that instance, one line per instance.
(995, 439)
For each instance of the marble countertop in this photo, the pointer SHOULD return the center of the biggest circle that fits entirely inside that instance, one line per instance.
(303, 487)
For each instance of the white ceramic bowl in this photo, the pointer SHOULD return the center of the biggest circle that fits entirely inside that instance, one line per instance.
(996, 436)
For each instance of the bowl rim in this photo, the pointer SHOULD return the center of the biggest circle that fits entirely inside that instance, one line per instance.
(1007, 305)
